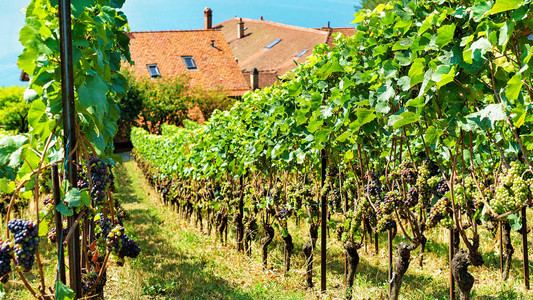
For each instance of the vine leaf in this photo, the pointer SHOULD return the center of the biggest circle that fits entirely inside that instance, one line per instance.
(505, 5)
(64, 292)
(512, 90)
(93, 93)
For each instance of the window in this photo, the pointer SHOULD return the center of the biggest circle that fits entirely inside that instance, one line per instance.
(274, 42)
(189, 63)
(154, 71)
(301, 53)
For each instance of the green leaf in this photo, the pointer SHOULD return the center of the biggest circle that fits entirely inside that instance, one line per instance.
(348, 155)
(443, 75)
(7, 186)
(43, 227)
(515, 221)
(427, 24)
(64, 210)
(432, 135)
(505, 5)
(445, 35)
(512, 90)
(519, 114)
(73, 198)
(493, 112)
(93, 93)
(404, 119)
(64, 292)
(416, 72)
(479, 10)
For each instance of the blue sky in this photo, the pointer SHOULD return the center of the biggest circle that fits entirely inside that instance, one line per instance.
(182, 14)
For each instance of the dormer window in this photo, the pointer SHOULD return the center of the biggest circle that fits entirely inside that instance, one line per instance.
(189, 62)
(301, 53)
(274, 42)
(154, 71)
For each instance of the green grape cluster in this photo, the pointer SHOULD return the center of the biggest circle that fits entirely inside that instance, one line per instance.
(427, 178)
(512, 191)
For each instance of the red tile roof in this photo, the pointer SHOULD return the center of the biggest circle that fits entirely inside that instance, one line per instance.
(346, 31)
(216, 64)
(250, 50)
(272, 63)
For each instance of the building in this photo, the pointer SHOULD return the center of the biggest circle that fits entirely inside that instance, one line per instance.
(203, 55)
(271, 48)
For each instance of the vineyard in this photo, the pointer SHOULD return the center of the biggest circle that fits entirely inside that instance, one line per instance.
(412, 137)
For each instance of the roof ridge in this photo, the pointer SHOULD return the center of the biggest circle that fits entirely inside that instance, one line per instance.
(185, 30)
(313, 30)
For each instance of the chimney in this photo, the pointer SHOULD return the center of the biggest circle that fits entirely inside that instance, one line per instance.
(208, 17)
(261, 18)
(240, 29)
(254, 79)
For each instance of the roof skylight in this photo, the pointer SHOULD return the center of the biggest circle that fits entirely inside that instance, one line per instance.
(189, 62)
(301, 53)
(273, 43)
(154, 71)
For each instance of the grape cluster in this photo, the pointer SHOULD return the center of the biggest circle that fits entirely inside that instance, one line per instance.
(427, 177)
(438, 212)
(412, 197)
(512, 191)
(374, 187)
(52, 234)
(405, 172)
(104, 225)
(6, 255)
(120, 245)
(335, 200)
(99, 178)
(26, 237)
(442, 188)
(283, 213)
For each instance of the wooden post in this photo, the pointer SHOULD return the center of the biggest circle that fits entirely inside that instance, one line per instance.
(59, 226)
(501, 247)
(69, 136)
(451, 253)
(323, 230)
(524, 248)
(389, 246)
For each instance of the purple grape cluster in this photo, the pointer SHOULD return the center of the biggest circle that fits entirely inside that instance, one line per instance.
(412, 197)
(100, 178)
(105, 225)
(26, 236)
(122, 246)
(6, 255)
(442, 188)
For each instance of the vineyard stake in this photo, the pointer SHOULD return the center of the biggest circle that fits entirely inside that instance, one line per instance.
(501, 247)
(69, 135)
(389, 246)
(524, 248)
(59, 225)
(451, 253)
(323, 220)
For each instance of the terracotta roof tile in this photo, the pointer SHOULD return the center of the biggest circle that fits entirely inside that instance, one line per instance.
(250, 50)
(346, 31)
(217, 67)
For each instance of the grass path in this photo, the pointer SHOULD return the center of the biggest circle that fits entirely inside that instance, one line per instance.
(177, 261)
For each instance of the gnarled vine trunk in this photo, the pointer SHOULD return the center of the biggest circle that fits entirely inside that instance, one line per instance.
(400, 267)
(266, 240)
(251, 232)
(353, 261)
(289, 247)
(308, 253)
(508, 249)
(464, 280)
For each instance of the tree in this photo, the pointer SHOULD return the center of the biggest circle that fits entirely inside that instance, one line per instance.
(13, 109)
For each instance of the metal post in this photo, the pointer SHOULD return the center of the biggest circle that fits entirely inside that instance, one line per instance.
(69, 135)
(323, 208)
(451, 253)
(524, 248)
(59, 225)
